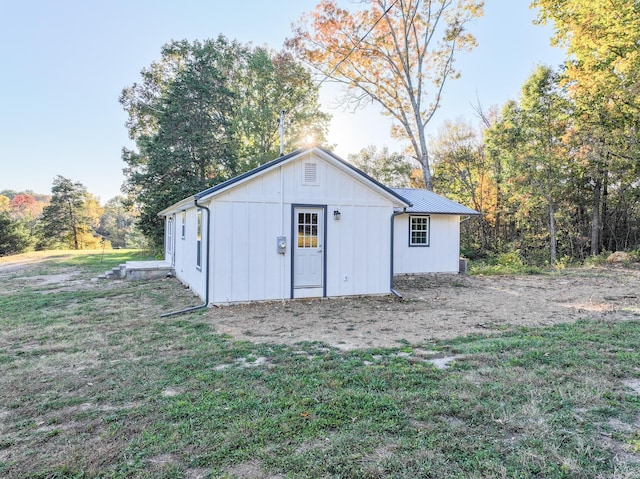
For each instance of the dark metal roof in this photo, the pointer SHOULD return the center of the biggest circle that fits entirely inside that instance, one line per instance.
(425, 201)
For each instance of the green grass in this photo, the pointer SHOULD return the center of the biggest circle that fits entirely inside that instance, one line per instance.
(93, 383)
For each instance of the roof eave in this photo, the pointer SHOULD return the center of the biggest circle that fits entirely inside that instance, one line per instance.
(225, 185)
(332, 158)
(179, 206)
(447, 213)
(399, 199)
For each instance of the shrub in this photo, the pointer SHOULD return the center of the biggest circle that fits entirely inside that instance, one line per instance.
(597, 260)
(504, 263)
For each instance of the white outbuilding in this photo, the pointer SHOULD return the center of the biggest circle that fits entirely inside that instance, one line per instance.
(308, 224)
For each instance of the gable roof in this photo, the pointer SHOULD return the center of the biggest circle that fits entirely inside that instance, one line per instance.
(254, 172)
(425, 201)
(397, 198)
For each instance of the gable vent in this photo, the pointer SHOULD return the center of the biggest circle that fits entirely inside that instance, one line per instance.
(310, 174)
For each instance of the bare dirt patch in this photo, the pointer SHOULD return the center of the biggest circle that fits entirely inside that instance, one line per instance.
(436, 307)
(16, 263)
(250, 470)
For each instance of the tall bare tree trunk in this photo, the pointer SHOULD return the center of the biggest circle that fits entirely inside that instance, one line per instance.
(74, 225)
(426, 171)
(553, 241)
(595, 218)
(605, 235)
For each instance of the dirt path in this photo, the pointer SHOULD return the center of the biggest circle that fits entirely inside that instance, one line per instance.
(439, 307)
(16, 263)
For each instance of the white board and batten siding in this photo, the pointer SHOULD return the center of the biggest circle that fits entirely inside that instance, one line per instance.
(245, 265)
(440, 256)
(296, 197)
(248, 217)
(182, 254)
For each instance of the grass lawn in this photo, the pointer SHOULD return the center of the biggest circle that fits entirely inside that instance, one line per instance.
(93, 383)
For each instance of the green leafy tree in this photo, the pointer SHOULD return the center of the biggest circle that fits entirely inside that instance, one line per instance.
(602, 77)
(390, 169)
(395, 54)
(15, 236)
(603, 59)
(66, 221)
(531, 136)
(545, 116)
(269, 83)
(118, 225)
(203, 113)
(180, 118)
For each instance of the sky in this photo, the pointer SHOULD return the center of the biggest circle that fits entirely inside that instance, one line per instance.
(65, 63)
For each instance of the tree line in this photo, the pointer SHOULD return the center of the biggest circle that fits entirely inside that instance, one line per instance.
(555, 172)
(69, 218)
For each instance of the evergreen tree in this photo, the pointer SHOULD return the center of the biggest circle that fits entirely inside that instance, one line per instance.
(14, 236)
(65, 221)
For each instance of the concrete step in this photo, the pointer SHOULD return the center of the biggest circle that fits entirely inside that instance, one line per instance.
(137, 270)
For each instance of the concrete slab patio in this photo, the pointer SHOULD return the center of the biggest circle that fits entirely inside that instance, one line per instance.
(140, 270)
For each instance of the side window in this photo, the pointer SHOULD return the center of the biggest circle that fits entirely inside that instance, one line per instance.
(183, 228)
(199, 239)
(169, 234)
(418, 231)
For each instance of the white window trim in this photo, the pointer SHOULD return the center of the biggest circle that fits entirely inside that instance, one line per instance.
(411, 231)
(169, 234)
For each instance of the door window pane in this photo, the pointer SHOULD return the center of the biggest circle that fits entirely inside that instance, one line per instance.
(307, 230)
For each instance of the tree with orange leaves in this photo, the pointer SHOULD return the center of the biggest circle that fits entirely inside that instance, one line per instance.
(397, 54)
(465, 174)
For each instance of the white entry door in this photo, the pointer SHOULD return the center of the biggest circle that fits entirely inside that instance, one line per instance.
(308, 260)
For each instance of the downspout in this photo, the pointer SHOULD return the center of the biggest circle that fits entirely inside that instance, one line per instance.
(206, 294)
(393, 216)
(283, 262)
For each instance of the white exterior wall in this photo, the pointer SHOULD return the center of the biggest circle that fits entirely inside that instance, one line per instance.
(247, 220)
(441, 256)
(184, 253)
